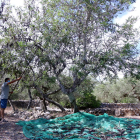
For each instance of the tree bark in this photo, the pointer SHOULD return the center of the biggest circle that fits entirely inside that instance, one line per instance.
(55, 103)
(44, 103)
(73, 102)
(30, 96)
(69, 91)
(49, 100)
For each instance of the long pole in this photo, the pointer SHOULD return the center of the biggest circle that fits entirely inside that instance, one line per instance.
(18, 82)
(15, 88)
(20, 76)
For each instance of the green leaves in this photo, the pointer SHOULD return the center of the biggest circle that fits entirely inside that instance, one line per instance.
(51, 79)
(68, 39)
(88, 101)
(127, 50)
(20, 43)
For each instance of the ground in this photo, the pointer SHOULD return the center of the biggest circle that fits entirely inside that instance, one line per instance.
(10, 131)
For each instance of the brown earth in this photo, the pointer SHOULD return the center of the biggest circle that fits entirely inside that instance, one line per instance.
(10, 131)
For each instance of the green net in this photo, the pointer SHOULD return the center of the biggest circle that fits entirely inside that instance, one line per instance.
(81, 126)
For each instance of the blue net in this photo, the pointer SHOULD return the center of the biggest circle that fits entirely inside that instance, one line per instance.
(81, 126)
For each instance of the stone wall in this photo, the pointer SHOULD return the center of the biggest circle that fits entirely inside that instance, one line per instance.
(24, 103)
(35, 103)
(115, 109)
(120, 105)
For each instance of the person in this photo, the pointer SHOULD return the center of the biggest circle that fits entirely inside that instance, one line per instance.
(4, 96)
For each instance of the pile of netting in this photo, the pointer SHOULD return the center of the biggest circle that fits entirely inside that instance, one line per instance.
(81, 126)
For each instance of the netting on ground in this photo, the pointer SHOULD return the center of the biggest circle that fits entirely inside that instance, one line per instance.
(81, 126)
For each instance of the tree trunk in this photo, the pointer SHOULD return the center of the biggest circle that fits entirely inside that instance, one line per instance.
(49, 100)
(55, 103)
(11, 104)
(44, 103)
(69, 91)
(73, 102)
(30, 102)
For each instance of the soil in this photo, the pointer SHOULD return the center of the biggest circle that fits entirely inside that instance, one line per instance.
(10, 131)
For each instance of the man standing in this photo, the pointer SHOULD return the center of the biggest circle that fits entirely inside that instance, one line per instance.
(4, 96)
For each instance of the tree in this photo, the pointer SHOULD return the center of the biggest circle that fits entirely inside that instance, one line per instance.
(126, 90)
(73, 38)
(86, 87)
(3, 3)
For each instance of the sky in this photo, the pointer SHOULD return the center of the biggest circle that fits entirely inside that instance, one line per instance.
(135, 13)
(17, 2)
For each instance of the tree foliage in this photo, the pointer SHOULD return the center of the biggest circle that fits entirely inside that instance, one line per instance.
(73, 38)
(88, 101)
(126, 90)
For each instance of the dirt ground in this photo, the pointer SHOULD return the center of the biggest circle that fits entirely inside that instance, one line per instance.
(10, 131)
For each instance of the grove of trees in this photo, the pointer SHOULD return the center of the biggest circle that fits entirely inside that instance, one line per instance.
(125, 90)
(57, 44)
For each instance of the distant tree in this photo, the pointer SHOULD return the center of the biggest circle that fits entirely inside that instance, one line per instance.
(126, 90)
(73, 38)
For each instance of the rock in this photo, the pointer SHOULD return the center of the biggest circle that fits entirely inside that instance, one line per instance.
(23, 117)
(47, 113)
(38, 108)
(48, 117)
(31, 118)
(117, 112)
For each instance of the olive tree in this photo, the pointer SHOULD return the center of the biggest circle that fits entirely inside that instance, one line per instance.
(125, 90)
(73, 38)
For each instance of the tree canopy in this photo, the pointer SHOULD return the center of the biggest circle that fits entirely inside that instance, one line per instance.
(125, 90)
(73, 38)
